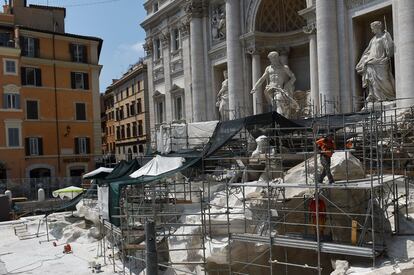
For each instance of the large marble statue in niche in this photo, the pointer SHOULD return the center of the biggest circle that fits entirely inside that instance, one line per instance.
(223, 99)
(280, 86)
(218, 24)
(375, 66)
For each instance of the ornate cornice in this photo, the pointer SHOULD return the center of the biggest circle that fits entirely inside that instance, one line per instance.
(184, 27)
(196, 8)
(165, 39)
(310, 28)
(148, 46)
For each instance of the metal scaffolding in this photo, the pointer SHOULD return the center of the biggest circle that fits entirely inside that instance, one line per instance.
(262, 219)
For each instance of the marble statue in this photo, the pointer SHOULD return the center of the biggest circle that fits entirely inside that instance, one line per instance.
(375, 66)
(223, 99)
(261, 147)
(280, 86)
(218, 24)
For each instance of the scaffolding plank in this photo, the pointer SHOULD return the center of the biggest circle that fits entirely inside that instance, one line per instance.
(295, 242)
(343, 184)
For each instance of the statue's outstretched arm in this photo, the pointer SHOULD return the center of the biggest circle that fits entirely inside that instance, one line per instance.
(290, 85)
(259, 82)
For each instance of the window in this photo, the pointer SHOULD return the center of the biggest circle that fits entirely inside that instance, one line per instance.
(34, 146)
(132, 108)
(6, 40)
(127, 109)
(80, 111)
(10, 66)
(118, 132)
(11, 101)
(140, 128)
(134, 130)
(29, 46)
(160, 111)
(82, 145)
(122, 131)
(139, 106)
(178, 108)
(121, 112)
(127, 92)
(128, 134)
(155, 6)
(157, 47)
(175, 39)
(13, 135)
(117, 113)
(31, 76)
(79, 80)
(32, 109)
(78, 53)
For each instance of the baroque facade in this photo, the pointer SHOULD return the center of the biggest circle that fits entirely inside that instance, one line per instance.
(49, 107)
(190, 43)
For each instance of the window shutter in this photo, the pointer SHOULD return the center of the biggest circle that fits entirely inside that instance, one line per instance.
(88, 149)
(38, 73)
(40, 146)
(23, 75)
(85, 54)
(37, 47)
(72, 80)
(4, 101)
(76, 145)
(23, 45)
(17, 101)
(72, 51)
(27, 146)
(86, 81)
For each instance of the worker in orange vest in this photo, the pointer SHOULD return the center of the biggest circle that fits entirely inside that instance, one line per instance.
(326, 146)
(321, 214)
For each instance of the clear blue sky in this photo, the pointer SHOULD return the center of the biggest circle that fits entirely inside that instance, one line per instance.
(117, 22)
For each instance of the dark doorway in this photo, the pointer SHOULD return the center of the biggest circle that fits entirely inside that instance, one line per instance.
(76, 175)
(39, 173)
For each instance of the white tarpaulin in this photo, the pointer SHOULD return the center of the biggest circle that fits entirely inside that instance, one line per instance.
(200, 132)
(158, 166)
(98, 171)
(103, 201)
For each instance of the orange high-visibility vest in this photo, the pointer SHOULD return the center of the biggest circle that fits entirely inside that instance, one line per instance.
(327, 146)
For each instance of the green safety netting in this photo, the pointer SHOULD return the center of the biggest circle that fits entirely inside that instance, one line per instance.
(116, 186)
(123, 169)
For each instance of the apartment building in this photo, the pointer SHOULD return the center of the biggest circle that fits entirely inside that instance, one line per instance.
(49, 107)
(127, 131)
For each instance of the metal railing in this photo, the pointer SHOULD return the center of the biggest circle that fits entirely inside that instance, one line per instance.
(27, 187)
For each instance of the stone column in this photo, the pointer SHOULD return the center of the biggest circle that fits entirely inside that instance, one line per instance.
(256, 74)
(234, 58)
(169, 105)
(405, 50)
(185, 39)
(313, 60)
(197, 61)
(328, 62)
